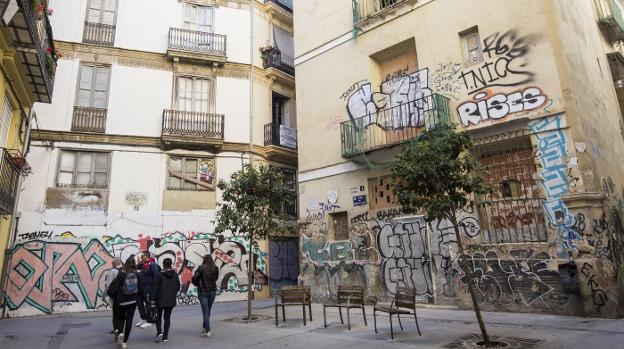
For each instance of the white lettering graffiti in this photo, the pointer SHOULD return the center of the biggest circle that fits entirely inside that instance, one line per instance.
(499, 106)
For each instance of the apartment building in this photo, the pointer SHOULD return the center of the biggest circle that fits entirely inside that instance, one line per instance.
(27, 71)
(155, 101)
(536, 83)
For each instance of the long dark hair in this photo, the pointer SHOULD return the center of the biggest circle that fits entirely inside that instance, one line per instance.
(130, 266)
(209, 263)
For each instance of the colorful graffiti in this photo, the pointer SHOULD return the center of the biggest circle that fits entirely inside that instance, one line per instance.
(50, 275)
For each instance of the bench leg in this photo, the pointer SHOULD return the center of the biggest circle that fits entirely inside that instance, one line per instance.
(349, 318)
(276, 317)
(418, 327)
(304, 314)
(284, 313)
(340, 311)
(375, 319)
(364, 314)
(310, 308)
(400, 324)
(324, 316)
(391, 329)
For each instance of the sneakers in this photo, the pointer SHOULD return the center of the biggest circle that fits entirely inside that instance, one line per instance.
(145, 325)
(165, 339)
(120, 339)
(204, 332)
(159, 338)
(208, 334)
(140, 323)
(116, 335)
(124, 345)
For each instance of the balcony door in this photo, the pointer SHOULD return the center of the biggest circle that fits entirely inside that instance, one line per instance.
(5, 121)
(199, 19)
(93, 86)
(194, 96)
(102, 11)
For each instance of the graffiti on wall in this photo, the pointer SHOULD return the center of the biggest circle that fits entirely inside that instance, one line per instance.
(598, 295)
(283, 263)
(446, 80)
(49, 275)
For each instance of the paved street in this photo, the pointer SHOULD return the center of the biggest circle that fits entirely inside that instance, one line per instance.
(440, 327)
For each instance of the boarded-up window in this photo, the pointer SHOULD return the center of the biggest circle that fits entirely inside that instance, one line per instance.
(512, 213)
(190, 173)
(381, 194)
(340, 223)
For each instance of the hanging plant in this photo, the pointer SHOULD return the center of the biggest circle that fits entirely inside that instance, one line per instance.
(52, 56)
(41, 7)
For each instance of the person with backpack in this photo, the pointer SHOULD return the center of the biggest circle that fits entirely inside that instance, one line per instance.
(148, 269)
(205, 279)
(110, 276)
(164, 295)
(127, 290)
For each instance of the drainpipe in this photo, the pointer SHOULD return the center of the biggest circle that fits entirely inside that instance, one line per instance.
(251, 63)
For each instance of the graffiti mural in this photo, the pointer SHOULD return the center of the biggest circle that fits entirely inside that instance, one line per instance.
(283, 263)
(54, 276)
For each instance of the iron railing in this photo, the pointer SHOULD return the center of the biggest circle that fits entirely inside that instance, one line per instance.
(98, 34)
(363, 9)
(285, 4)
(280, 136)
(87, 119)
(274, 60)
(392, 126)
(197, 42)
(185, 123)
(611, 17)
(9, 177)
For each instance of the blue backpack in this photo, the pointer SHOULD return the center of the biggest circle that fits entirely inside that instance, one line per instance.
(130, 285)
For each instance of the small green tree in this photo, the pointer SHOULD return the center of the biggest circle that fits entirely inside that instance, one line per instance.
(252, 206)
(435, 174)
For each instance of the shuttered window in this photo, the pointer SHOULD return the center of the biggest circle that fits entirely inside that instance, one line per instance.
(194, 94)
(5, 121)
(93, 86)
(199, 18)
(102, 11)
(83, 169)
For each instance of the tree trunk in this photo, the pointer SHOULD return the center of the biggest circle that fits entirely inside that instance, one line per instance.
(470, 283)
(250, 275)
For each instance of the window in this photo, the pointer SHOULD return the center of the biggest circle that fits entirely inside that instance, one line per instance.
(340, 223)
(93, 86)
(472, 47)
(5, 121)
(83, 169)
(102, 11)
(512, 213)
(198, 18)
(284, 207)
(194, 94)
(191, 173)
(280, 114)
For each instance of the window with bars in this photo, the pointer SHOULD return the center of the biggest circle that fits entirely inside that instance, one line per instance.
(472, 47)
(93, 86)
(83, 169)
(193, 94)
(196, 174)
(340, 223)
(512, 213)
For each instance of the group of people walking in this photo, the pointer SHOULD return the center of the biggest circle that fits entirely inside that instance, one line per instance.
(144, 285)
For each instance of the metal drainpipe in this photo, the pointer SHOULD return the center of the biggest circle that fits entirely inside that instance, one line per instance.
(251, 63)
(12, 227)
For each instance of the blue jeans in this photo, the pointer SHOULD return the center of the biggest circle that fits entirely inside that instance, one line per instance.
(144, 301)
(205, 300)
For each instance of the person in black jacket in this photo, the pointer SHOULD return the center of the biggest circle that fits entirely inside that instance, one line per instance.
(148, 269)
(126, 290)
(164, 295)
(207, 290)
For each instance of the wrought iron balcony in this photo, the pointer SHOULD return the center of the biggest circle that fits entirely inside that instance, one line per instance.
(611, 19)
(87, 119)
(192, 128)
(392, 126)
(284, 4)
(31, 36)
(197, 45)
(12, 165)
(364, 9)
(280, 135)
(274, 60)
(98, 34)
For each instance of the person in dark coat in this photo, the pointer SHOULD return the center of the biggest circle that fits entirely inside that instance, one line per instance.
(164, 295)
(207, 290)
(126, 290)
(148, 269)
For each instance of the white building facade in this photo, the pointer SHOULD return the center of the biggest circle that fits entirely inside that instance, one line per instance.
(155, 101)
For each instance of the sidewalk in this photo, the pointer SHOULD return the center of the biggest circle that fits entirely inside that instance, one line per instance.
(439, 328)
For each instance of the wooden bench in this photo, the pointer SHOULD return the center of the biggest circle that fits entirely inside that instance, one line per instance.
(404, 302)
(348, 297)
(293, 295)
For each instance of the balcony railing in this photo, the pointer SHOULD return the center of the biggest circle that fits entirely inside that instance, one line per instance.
(88, 119)
(184, 123)
(611, 17)
(363, 9)
(197, 42)
(31, 35)
(392, 126)
(274, 60)
(280, 136)
(285, 4)
(9, 177)
(98, 34)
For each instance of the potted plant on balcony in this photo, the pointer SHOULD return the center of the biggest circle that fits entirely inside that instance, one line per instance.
(52, 55)
(41, 7)
(265, 51)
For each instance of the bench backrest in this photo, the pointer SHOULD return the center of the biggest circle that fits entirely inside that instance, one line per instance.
(354, 293)
(295, 293)
(405, 297)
